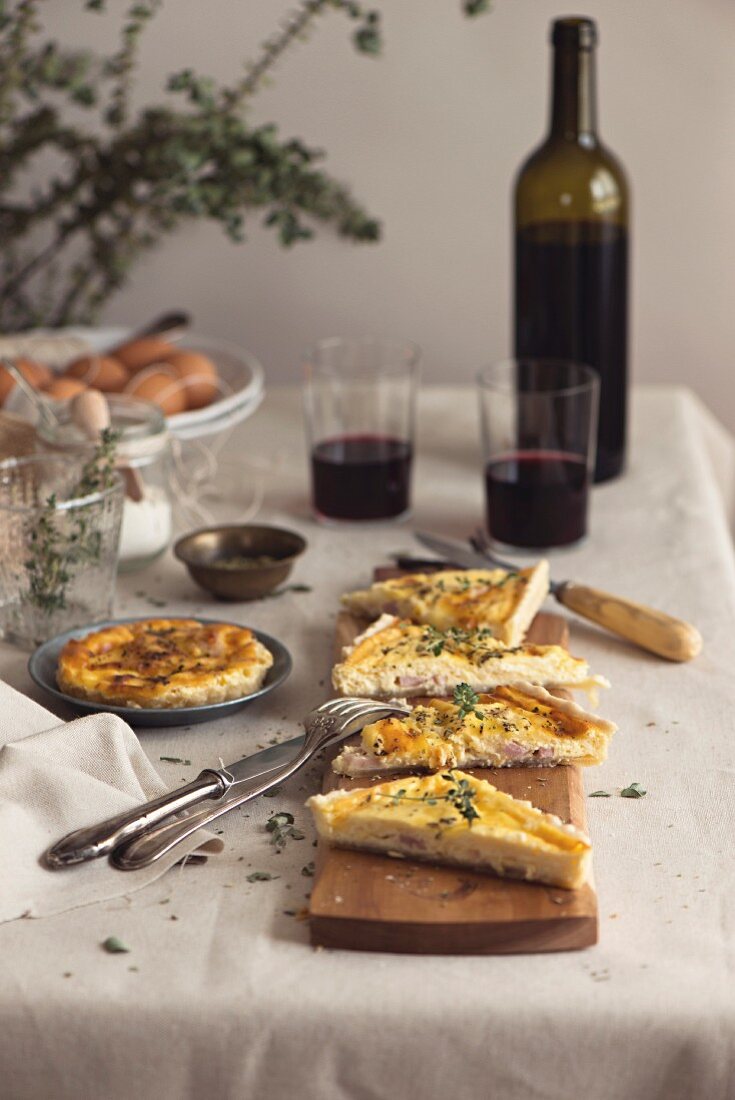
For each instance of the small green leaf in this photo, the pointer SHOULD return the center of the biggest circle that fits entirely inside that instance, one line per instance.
(175, 760)
(308, 870)
(600, 794)
(115, 946)
(261, 876)
(633, 791)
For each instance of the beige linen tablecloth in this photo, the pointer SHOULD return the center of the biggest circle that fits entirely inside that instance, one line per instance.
(221, 996)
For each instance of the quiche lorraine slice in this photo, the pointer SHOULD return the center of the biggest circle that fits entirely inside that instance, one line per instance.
(164, 663)
(453, 818)
(517, 725)
(503, 602)
(394, 657)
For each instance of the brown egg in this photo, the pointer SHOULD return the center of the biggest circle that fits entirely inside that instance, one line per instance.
(35, 373)
(7, 385)
(161, 385)
(101, 371)
(199, 376)
(140, 354)
(61, 389)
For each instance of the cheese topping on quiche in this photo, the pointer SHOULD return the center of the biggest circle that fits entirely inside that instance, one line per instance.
(518, 725)
(457, 819)
(164, 663)
(397, 658)
(499, 600)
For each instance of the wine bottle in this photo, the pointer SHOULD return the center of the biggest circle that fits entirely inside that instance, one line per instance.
(571, 242)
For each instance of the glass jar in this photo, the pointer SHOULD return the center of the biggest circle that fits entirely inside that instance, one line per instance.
(58, 549)
(144, 459)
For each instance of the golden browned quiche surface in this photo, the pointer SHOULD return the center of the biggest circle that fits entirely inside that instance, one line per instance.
(502, 602)
(164, 663)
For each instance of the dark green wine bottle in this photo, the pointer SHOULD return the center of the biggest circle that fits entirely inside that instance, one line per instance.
(571, 242)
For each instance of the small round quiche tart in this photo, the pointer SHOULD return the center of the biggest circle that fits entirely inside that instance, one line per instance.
(164, 663)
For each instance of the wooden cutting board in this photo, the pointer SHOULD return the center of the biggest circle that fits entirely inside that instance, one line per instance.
(373, 902)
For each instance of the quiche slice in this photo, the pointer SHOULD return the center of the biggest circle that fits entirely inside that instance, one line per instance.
(453, 818)
(503, 602)
(164, 663)
(516, 725)
(394, 657)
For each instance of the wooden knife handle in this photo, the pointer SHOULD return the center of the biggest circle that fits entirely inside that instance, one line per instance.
(650, 629)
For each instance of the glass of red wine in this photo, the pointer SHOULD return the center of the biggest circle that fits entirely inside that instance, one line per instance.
(539, 432)
(359, 401)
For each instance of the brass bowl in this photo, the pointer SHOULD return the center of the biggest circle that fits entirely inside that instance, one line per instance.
(204, 553)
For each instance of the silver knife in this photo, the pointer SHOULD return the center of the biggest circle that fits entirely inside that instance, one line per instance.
(99, 840)
(456, 552)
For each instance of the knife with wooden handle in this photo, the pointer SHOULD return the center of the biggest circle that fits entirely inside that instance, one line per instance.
(646, 627)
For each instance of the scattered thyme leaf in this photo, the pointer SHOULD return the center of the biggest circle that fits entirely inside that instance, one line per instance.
(282, 828)
(600, 794)
(261, 876)
(175, 760)
(308, 870)
(273, 792)
(115, 946)
(286, 588)
(633, 791)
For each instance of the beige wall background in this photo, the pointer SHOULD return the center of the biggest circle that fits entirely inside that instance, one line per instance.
(429, 136)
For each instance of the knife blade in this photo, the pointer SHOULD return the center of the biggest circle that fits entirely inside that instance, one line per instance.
(454, 551)
(99, 840)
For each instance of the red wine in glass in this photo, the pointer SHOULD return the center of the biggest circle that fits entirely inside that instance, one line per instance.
(358, 477)
(537, 498)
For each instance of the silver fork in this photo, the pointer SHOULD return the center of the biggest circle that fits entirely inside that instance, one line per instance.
(331, 722)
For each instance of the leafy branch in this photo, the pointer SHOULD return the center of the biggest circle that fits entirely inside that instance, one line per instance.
(122, 183)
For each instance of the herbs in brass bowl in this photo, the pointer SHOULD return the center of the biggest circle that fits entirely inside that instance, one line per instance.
(240, 562)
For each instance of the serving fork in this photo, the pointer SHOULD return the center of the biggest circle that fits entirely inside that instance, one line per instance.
(140, 836)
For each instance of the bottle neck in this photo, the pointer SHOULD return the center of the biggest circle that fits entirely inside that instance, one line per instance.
(574, 100)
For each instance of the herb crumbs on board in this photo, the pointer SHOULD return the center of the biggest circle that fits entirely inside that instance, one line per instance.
(175, 760)
(634, 790)
(261, 876)
(600, 794)
(308, 870)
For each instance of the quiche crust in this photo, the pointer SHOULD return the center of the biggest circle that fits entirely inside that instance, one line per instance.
(455, 818)
(164, 663)
(513, 726)
(397, 658)
(503, 602)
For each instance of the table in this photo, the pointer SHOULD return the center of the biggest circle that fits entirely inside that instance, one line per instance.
(221, 995)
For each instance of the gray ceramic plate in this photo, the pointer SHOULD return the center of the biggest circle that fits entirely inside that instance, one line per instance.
(43, 662)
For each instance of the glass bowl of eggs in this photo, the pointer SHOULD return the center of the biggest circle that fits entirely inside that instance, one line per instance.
(200, 384)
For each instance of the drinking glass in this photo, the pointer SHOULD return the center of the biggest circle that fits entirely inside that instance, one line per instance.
(539, 433)
(58, 550)
(359, 401)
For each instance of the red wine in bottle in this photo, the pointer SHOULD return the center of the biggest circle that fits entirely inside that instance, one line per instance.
(571, 242)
